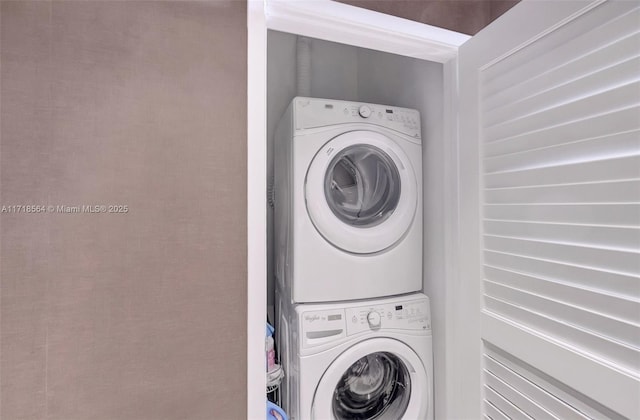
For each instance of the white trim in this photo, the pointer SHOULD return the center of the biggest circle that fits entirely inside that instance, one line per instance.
(452, 242)
(256, 208)
(337, 22)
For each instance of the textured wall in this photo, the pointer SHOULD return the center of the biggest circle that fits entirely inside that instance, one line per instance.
(123, 316)
(466, 16)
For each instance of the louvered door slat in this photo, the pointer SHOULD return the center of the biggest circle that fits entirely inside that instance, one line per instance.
(605, 282)
(545, 392)
(607, 124)
(517, 398)
(606, 236)
(625, 74)
(608, 146)
(549, 403)
(597, 32)
(614, 354)
(493, 412)
(601, 258)
(622, 215)
(604, 169)
(580, 109)
(627, 191)
(612, 328)
(592, 61)
(504, 405)
(576, 294)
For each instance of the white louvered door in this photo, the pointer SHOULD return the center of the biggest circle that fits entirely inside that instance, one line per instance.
(549, 213)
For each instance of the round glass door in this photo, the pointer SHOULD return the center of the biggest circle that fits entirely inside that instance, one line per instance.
(362, 185)
(376, 386)
(361, 192)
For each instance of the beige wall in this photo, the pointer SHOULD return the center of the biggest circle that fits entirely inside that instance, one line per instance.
(123, 316)
(466, 16)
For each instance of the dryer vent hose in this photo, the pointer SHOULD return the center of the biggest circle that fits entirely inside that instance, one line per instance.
(303, 66)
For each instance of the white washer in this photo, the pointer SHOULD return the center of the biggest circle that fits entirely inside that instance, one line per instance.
(348, 201)
(364, 360)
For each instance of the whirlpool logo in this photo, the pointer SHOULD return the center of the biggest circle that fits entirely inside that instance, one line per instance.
(311, 318)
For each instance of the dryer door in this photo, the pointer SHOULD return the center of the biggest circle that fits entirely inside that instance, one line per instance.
(361, 192)
(375, 379)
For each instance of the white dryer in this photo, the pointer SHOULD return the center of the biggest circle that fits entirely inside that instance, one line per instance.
(357, 360)
(348, 201)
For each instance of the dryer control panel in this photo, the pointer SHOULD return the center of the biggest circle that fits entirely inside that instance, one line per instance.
(313, 113)
(327, 325)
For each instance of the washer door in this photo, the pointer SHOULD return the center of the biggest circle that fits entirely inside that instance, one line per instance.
(361, 192)
(375, 379)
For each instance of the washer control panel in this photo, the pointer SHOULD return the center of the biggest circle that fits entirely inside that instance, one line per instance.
(319, 327)
(412, 315)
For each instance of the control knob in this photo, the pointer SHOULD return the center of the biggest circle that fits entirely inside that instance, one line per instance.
(374, 319)
(364, 111)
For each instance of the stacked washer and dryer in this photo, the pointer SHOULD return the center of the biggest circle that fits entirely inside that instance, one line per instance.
(354, 334)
